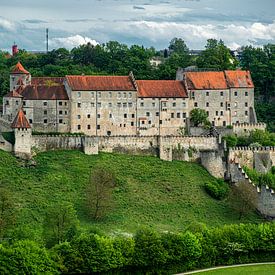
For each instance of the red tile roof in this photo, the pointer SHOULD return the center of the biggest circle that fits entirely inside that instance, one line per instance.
(100, 83)
(205, 80)
(43, 92)
(13, 94)
(19, 69)
(239, 79)
(50, 81)
(161, 88)
(20, 121)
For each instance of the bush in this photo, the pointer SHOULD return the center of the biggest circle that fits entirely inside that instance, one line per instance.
(217, 189)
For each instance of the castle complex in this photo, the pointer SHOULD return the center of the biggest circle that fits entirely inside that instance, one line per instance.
(121, 105)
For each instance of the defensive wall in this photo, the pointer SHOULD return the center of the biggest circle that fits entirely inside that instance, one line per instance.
(259, 158)
(242, 129)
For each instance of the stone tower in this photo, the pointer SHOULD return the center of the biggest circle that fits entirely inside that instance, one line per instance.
(23, 136)
(19, 77)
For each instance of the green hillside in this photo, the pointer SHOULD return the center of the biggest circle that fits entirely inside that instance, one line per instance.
(151, 192)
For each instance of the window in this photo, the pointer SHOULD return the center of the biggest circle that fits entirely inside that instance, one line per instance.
(60, 103)
(16, 102)
(246, 113)
(88, 116)
(110, 104)
(141, 104)
(78, 127)
(98, 127)
(164, 104)
(110, 94)
(124, 125)
(246, 93)
(246, 104)
(149, 122)
(142, 122)
(207, 104)
(130, 95)
(92, 104)
(236, 104)
(125, 115)
(235, 93)
(78, 116)
(153, 104)
(66, 112)
(193, 94)
(92, 94)
(195, 104)
(132, 123)
(65, 103)
(79, 105)
(60, 112)
(184, 115)
(24, 103)
(221, 93)
(98, 115)
(30, 120)
(217, 113)
(221, 104)
(221, 113)
(88, 126)
(130, 104)
(154, 98)
(124, 104)
(119, 95)
(224, 123)
(98, 104)
(45, 112)
(178, 115)
(174, 104)
(172, 115)
(160, 122)
(79, 94)
(99, 94)
(157, 113)
(207, 93)
(109, 133)
(110, 115)
(60, 120)
(147, 114)
(45, 121)
(183, 104)
(45, 103)
(119, 104)
(124, 95)
(235, 113)
(207, 113)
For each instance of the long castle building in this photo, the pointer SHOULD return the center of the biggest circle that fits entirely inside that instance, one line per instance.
(121, 105)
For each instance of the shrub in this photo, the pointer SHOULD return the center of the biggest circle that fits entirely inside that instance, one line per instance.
(217, 189)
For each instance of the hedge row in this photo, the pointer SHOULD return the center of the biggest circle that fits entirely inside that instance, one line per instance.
(147, 251)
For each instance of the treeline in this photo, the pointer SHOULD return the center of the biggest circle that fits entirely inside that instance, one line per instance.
(145, 252)
(119, 59)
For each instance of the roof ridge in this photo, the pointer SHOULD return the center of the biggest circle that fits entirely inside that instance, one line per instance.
(20, 121)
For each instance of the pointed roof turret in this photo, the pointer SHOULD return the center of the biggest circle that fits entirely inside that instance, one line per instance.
(19, 69)
(20, 121)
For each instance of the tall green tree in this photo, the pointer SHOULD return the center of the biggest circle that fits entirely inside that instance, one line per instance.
(216, 56)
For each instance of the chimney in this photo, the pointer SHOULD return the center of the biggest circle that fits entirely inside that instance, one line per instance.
(14, 49)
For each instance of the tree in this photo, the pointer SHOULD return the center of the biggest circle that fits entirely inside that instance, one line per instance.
(60, 223)
(99, 192)
(216, 56)
(177, 45)
(243, 198)
(199, 117)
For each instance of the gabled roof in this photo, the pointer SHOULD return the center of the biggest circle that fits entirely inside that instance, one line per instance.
(49, 81)
(13, 94)
(19, 69)
(20, 121)
(239, 79)
(43, 92)
(161, 88)
(206, 80)
(100, 83)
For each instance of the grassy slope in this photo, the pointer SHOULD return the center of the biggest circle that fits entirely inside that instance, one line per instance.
(164, 195)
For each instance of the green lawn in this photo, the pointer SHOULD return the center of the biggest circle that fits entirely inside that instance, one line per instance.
(151, 192)
(263, 269)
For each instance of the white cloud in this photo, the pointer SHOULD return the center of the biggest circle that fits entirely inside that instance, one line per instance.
(71, 41)
(6, 24)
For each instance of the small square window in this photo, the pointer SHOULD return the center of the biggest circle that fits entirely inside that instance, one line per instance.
(178, 115)
(130, 104)
(147, 114)
(99, 94)
(119, 95)
(142, 122)
(110, 94)
(124, 105)
(92, 94)
(78, 116)
(60, 112)
(133, 115)
(160, 122)
(157, 113)
(246, 113)
(221, 93)
(153, 104)
(60, 120)
(195, 104)
(60, 103)
(217, 113)
(221, 113)
(246, 93)
(174, 104)
(207, 104)
(207, 93)
(16, 102)
(110, 104)
(132, 123)
(88, 126)
(125, 115)
(45, 103)
(141, 104)
(119, 104)
(224, 123)
(45, 112)
(79, 94)
(221, 104)
(24, 103)
(98, 127)
(130, 95)
(45, 121)
(124, 95)
(79, 105)
(184, 115)
(98, 115)
(172, 115)
(246, 104)
(79, 127)
(149, 122)
(88, 116)
(92, 104)
(99, 104)
(235, 93)
(110, 115)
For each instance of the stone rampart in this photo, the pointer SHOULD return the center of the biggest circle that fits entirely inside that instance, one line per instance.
(259, 158)
(242, 129)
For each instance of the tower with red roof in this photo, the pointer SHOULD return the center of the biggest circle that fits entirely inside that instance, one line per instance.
(23, 135)
(19, 77)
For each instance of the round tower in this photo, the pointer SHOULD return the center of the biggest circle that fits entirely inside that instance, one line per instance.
(19, 77)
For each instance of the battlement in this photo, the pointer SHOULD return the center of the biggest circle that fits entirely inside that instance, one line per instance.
(253, 149)
(242, 125)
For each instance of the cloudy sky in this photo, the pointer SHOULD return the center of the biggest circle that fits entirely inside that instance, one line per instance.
(147, 22)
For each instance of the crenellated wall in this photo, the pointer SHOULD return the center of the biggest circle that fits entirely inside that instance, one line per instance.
(259, 158)
(242, 129)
